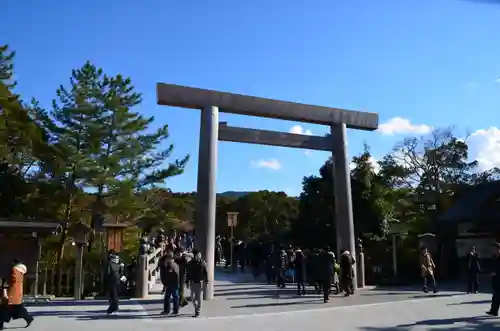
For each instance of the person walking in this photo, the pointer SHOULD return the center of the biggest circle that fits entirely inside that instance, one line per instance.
(346, 272)
(495, 282)
(300, 271)
(280, 268)
(170, 278)
(473, 270)
(427, 267)
(197, 277)
(12, 298)
(181, 259)
(325, 273)
(113, 277)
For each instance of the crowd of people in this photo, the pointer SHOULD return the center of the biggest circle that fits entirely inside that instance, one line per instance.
(319, 268)
(182, 267)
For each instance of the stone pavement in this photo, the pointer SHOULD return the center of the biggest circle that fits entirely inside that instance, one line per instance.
(256, 307)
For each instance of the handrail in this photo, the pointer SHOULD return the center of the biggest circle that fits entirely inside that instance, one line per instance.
(147, 273)
(153, 259)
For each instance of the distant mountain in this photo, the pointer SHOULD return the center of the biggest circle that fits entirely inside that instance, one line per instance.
(233, 194)
(239, 194)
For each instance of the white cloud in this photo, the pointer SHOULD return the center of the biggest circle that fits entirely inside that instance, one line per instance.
(497, 80)
(272, 164)
(375, 165)
(399, 125)
(299, 129)
(485, 147)
(372, 160)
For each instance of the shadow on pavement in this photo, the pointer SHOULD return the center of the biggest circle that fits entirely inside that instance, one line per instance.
(279, 304)
(479, 323)
(90, 315)
(477, 302)
(233, 287)
(430, 296)
(125, 317)
(444, 287)
(263, 296)
(388, 293)
(257, 292)
(410, 296)
(72, 313)
(71, 302)
(237, 277)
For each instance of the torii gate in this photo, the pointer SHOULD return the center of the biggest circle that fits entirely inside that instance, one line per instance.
(212, 102)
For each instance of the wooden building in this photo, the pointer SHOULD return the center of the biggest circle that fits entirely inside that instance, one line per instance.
(21, 240)
(473, 219)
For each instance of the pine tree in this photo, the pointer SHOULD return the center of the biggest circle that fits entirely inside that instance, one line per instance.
(75, 113)
(128, 157)
(23, 146)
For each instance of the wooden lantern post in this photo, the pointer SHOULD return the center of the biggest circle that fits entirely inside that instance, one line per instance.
(80, 233)
(114, 236)
(232, 222)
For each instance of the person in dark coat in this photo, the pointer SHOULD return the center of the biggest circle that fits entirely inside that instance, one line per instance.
(269, 265)
(346, 272)
(181, 260)
(113, 277)
(313, 270)
(473, 270)
(197, 277)
(280, 268)
(300, 272)
(170, 278)
(325, 272)
(495, 282)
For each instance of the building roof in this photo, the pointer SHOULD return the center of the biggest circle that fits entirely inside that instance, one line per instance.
(27, 225)
(479, 204)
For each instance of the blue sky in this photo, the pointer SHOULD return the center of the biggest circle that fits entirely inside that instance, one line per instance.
(431, 63)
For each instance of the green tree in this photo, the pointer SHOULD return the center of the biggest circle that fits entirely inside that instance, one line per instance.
(429, 171)
(107, 148)
(315, 223)
(24, 146)
(128, 155)
(75, 115)
(21, 139)
(372, 206)
(262, 214)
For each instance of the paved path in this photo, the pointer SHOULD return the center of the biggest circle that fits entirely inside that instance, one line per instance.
(258, 307)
